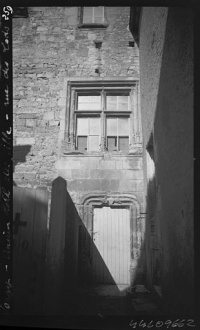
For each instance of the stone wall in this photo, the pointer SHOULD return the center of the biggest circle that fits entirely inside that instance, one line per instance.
(48, 46)
(50, 49)
(103, 173)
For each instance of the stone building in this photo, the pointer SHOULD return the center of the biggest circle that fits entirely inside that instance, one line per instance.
(77, 116)
(165, 39)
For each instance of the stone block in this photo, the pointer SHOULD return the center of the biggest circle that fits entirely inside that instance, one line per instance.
(136, 185)
(42, 28)
(30, 122)
(71, 37)
(90, 163)
(107, 164)
(92, 36)
(62, 101)
(29, 176)
(46, 152)
(21, 182)
(24, 129)
(54, 122)
(80, 174)
(48, 115)
(72, 185)
(52, 39)
(132, 174)
(125, 185)
(63, 93)
(18, 176)
(104, 185)
(66, 174)
(68, 164)
(132, 163)
(25, 141)
(28, 116)
(50, 159)
(112, 174)
(24, 168)
(114, 185)
(97, 174)
(20, 122)
(118, 164)
(43, 38)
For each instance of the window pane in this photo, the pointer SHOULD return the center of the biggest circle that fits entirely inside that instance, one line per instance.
(89, 102)
(112, 106)
(123, 99)
(111, 126)
(93, 143)
(112, 143)
(117, 102)
(82, 126)
(123, 143)
(87, 15)
(123, 106)
(98, 11)
(94, 126)
(98, 20)
(111, 102)
(123, 126)
(82, 143)
(87, 19)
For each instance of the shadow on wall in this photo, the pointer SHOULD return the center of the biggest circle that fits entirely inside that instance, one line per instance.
(173, 131)
(74, 264)
(70, 251)
(30, 211)
(52, 267)
(19, 155)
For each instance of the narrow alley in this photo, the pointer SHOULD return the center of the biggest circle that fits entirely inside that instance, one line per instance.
(110, 300)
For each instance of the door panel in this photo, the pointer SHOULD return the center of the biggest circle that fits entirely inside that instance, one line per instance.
(30, 211)
(111, 237)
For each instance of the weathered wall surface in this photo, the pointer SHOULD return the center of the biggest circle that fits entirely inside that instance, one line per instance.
(152, 36)
(48, 46)
(167, 110)
(106, 173)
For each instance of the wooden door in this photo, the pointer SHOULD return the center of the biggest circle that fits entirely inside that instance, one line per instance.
(30, 208)
(111, 250)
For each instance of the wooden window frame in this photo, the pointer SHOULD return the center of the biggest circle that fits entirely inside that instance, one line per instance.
(90, 25)
(88, 135)
(117, 136)
(77, 86)
(103, 112)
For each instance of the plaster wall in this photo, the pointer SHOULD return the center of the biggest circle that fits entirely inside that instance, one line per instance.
(167, 111)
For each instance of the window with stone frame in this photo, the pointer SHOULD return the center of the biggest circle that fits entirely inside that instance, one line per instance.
(92, 17)
(103, 116)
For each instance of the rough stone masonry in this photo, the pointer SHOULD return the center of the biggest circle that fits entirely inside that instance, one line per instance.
(47, 47)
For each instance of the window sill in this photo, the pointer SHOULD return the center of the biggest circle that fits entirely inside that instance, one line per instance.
(92, 26)
(77, 153)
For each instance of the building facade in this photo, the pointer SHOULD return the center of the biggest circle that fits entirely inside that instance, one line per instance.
(165, 39)
(77, 116)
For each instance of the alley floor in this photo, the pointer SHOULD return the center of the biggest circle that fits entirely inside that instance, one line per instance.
(105, 300)
(100, 307)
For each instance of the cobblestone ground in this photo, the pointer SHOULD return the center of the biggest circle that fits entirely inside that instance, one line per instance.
(112, 300)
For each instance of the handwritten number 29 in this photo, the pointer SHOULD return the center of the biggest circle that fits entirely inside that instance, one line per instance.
(7, 10)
